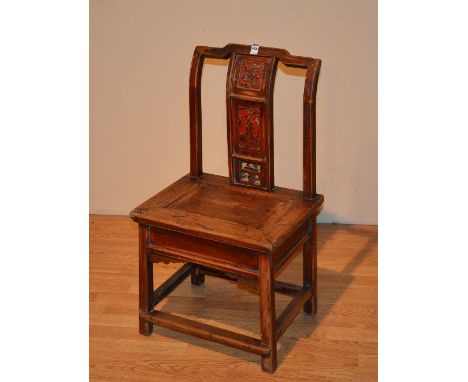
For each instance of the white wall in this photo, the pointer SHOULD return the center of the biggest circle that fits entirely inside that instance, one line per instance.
(139, 116)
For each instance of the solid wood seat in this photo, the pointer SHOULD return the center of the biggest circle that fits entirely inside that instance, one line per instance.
(211, 207)
(240, 227)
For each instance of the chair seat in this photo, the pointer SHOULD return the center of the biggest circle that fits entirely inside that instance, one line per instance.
(212, 208)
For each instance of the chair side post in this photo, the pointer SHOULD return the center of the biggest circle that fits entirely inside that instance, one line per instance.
(196, 165)
(309, 116)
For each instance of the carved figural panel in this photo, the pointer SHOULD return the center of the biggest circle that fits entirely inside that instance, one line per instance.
(248, 124)
(248, 130)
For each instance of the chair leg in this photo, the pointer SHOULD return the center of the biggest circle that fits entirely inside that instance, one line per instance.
(309, 262)
(198, 276)
(145, 281)
(267, 312)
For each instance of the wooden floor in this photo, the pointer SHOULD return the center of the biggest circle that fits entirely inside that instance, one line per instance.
(339, 344)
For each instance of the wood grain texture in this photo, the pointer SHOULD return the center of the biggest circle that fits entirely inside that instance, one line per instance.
(339, 343)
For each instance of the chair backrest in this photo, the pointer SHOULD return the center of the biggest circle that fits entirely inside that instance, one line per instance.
(249, 98)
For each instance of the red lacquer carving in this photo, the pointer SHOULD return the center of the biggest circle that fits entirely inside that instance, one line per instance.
(249, 127)
(250, 75)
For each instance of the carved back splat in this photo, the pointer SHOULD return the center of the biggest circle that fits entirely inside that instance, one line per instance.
(249, 97)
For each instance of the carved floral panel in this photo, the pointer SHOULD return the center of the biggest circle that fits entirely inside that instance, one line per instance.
(250, 75)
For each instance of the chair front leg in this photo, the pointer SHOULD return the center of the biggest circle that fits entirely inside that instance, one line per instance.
(309, 262)
(145, 281)
(267, 311)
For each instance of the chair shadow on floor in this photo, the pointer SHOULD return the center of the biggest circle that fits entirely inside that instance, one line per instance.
(331, 286)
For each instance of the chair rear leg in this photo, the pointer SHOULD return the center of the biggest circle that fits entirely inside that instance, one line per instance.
(198, 276)
(309, 262)
(145, 281)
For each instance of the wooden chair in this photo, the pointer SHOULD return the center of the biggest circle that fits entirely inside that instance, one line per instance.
(242, 227)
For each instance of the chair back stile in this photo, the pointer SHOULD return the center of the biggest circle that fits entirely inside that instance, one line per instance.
(249, 102)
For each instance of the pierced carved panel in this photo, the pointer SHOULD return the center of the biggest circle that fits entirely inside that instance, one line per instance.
(249, 174)
(250, 166)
